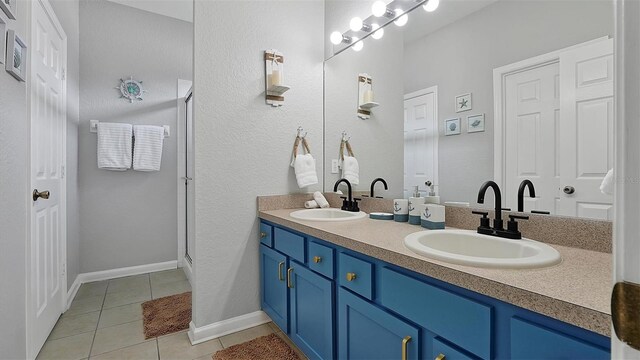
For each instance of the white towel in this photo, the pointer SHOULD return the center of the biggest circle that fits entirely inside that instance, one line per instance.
(311, 204)
(607, 183)
(351, 170)
(305, 169)
(114, 146)
(320, 199)
(147, 150)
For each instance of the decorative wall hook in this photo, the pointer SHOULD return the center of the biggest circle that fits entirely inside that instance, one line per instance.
(274, 78)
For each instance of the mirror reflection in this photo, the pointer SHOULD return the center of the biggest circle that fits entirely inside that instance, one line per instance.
(518, 92)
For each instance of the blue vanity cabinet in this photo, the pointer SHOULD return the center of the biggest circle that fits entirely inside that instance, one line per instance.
(311, 298)
(367, 332)
(346, 305)
(273, 286)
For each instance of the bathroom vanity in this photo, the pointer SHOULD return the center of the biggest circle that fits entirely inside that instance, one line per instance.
(351, 290)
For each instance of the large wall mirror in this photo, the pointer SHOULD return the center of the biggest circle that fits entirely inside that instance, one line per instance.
(476, 90)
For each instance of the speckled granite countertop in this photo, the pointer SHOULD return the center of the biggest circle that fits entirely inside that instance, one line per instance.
(576, 291)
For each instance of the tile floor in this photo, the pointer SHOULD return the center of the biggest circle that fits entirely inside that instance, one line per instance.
(105, 322)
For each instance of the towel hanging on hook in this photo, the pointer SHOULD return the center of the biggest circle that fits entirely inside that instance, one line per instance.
(304, 165)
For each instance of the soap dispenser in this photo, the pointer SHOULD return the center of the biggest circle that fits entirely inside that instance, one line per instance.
(431, 197)
(414, 210)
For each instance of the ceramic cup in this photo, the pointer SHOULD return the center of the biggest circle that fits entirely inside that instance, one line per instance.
(414, 211)
(432, 216)
(401, 210)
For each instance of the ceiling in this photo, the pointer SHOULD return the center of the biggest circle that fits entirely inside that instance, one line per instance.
(177, 9)
(422, 23)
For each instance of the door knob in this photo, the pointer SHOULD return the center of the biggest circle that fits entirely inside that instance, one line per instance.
(569, 190)
(317, 259)
(351, 276)
(40, 194)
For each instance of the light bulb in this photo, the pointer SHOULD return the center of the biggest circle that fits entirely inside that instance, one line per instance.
(378, 32)
(355, 24)
(379, 8)
(336, 37)
(402, 19)
(431, 5)
(358, 45)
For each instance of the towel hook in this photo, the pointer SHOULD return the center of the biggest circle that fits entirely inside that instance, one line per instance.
(300, 130)
(344, 136)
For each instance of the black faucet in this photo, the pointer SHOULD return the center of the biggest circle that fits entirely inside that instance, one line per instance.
(498, 229)
(348, 204)
(532, 193)
(497, 222)
(373, 183)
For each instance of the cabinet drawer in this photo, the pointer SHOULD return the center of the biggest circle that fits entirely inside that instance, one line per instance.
(320, 259)
(530, 341)
(441, 348)
(289, 244)
(266, 234)
(462, 321)
(356, 275)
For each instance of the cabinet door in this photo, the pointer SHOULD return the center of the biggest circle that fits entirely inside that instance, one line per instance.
(366, 332)
(273, 286)
(311, 297)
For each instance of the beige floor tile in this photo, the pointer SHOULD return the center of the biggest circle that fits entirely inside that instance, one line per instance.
(145, 351)
(120, 315)
(74, 325)
(177, 346)
(274, 327)
(70, 348)
(97, 288)
(246, 335)
(83, 306)
(163, 277)
(130, 296)
(128, 283)
(172, 288)
(117, 337)
(291, 344)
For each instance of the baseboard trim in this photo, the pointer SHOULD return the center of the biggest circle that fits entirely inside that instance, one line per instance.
(115, 273)
(226, 327)
(127, 271)
(71, 294)
(188, 270)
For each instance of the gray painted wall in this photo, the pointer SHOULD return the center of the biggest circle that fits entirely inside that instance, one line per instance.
(14, 211)
(242, 145)
(128, 218)
(378, 142)
(460, 58)
(68, 13)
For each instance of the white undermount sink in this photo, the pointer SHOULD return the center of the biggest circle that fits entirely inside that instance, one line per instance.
(467, 247)
(327, 214)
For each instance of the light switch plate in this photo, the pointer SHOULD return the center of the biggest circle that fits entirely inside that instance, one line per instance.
(334, 166)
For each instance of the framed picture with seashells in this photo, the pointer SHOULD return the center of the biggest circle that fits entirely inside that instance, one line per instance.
(16, 61)
(9, 7)
(3, 40)
(452, 127)
(475, 123)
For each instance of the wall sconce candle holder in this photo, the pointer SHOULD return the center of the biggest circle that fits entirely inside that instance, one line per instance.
(274, 78)
(365, 96)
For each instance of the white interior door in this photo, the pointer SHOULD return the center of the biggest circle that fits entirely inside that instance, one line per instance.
(586, 147)
(532, 118)
(420, 139)
(189, 173)
(47, 260)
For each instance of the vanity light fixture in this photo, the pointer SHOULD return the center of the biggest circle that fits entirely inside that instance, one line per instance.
(431, 5)
(402, 18)
(356, 24)
(358, 44)
(337, 38)
(379, 9)
(378, 32)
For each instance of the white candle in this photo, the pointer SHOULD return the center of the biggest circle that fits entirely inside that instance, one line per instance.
(368, 96)
(275, 77)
